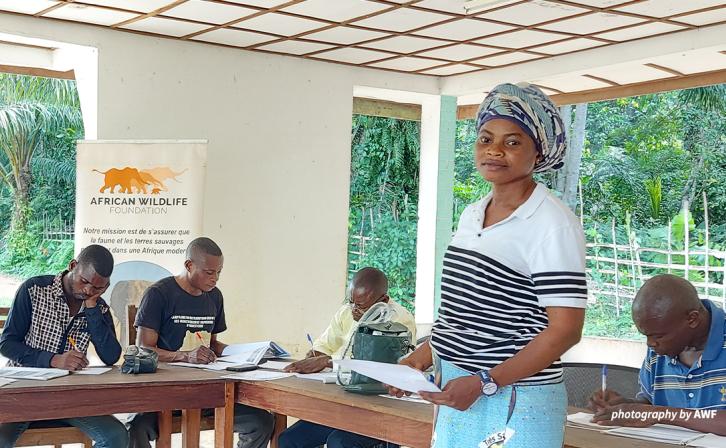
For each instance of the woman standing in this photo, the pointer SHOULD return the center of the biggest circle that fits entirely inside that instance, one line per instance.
(513, 290)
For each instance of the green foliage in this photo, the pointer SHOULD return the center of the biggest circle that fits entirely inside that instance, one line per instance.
(393, 250)
(469, 186)
(383, 197)
(677, 137)
(678, 227)
(654, 187)
(602, 320)
(44, 257)
(384, 164)
(40, 121)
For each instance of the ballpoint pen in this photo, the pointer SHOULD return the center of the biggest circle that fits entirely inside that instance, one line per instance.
(312, 346)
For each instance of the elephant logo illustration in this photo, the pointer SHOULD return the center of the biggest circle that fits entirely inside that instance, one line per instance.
(132, 180)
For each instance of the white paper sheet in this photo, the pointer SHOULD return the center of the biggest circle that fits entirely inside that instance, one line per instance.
(275, 365)
(414, 398)
(396, 375)
(93, 371)
(31, 373)
(709, 441)
(5, 381)
(582, 420)
(258, 375)
(658, 433)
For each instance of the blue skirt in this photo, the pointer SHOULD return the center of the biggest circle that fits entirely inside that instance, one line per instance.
(537, 418)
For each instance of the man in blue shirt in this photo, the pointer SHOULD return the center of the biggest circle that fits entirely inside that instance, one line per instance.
(51, 324)
(685, 367)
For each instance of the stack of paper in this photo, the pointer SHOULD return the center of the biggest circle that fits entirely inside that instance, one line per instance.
(31, 373)
(5, 381)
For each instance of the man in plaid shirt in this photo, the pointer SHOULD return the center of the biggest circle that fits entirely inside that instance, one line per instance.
(52, 322)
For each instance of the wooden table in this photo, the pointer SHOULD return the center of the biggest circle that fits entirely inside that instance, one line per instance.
(396, 421)
(113, 392)
(406, 423)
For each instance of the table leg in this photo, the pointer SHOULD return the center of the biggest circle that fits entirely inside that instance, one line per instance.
(164, 440)
(224, 419)
(280, 425)
(190, 426)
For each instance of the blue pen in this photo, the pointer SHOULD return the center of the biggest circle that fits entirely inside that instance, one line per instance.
(604, 379)
(310, 340)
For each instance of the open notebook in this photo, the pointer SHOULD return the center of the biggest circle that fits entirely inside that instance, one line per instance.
(674, 435)
(239, 354)
(253, 352)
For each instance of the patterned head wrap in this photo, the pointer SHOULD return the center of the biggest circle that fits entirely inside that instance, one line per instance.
(534, 112)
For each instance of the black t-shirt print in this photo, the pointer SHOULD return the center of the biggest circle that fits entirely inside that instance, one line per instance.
(172, 312)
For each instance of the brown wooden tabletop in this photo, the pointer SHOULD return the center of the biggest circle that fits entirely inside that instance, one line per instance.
(113, 392)
(402, 422)
(396, 421)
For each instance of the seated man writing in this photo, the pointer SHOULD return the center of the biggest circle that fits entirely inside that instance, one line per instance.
(368, 287)
(51, 323)
(685, 367)
(188, 306)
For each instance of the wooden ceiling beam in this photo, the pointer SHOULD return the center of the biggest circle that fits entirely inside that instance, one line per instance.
(468, 111)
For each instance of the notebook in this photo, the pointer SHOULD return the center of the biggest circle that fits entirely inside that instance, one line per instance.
(670, 434)
(31, 373)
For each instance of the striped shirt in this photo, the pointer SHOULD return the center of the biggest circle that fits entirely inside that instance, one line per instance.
(498, 281)
(665, 381)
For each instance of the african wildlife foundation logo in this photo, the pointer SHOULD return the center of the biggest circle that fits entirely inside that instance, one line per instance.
(132, 180)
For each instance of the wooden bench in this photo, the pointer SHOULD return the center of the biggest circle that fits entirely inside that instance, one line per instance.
(41, 433)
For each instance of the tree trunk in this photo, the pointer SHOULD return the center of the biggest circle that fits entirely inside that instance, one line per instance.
(574, 157)
(560, 176)
(689, 191)
(21, 200)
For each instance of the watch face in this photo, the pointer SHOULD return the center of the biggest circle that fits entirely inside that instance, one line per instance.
(489, 388)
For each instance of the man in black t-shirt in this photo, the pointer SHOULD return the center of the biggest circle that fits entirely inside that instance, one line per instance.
(188, 303)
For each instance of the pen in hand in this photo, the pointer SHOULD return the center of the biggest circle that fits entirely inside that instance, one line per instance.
(201, 339)
(73, 343)
(312, 346)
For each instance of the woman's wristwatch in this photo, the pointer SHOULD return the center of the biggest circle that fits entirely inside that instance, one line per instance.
(488, 386)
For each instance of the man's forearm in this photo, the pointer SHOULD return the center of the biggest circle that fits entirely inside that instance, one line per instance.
(702, 420)
(168, 356)
(217, 347)
(103, 336)
(24, 354)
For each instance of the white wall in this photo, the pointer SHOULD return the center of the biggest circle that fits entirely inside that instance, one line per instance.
(598, 350)
(279, 160)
